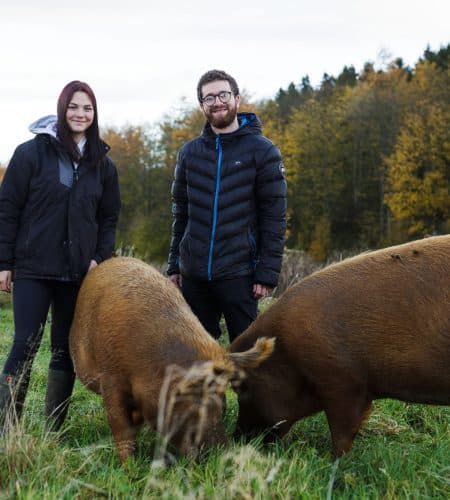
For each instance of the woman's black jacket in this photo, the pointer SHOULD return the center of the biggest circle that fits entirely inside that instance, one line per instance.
(229, 206)
(47, 229)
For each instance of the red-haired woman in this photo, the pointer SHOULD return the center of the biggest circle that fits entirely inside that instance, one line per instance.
(59, 205)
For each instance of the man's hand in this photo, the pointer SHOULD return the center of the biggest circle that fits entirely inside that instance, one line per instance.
(261, 291)
(176, 280)
(5, 281)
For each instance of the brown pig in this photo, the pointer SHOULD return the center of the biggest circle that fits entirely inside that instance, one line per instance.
(130, 324)
(373, 326)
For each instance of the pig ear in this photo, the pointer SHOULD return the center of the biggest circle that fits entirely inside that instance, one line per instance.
(262, 349)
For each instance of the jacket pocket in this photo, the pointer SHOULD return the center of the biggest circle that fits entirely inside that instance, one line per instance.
(185, 249)
(24, 248)
(87, 244)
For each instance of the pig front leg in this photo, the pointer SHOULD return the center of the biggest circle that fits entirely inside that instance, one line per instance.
(121, 418)
(345, 416)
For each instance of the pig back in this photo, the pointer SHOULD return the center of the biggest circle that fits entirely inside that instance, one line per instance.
(382, 317)
(131, 321)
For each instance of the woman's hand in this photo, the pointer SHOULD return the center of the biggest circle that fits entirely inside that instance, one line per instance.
(92, 264)
(5, 281)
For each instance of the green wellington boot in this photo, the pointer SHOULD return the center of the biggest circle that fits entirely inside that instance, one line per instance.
(59, 389)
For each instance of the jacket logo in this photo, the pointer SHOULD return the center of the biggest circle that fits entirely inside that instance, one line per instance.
(237, 163)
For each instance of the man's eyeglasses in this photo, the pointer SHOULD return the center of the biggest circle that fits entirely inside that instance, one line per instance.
(223, 96)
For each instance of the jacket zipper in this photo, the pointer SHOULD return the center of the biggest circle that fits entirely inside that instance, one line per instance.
(69, 236)
(216, 201)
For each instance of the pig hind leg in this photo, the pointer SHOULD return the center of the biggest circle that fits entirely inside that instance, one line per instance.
(122, 419)
(345, 417)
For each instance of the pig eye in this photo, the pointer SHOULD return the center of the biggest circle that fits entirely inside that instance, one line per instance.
(242, 388)
(218, 371)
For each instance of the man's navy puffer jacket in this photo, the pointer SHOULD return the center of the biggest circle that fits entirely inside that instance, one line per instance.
(229, 206)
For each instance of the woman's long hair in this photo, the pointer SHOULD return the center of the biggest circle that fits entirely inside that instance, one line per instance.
(94, 149)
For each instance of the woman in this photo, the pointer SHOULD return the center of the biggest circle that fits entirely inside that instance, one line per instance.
(59, 205)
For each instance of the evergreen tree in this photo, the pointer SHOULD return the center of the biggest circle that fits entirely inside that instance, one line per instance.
(348, 77)
(441, 58)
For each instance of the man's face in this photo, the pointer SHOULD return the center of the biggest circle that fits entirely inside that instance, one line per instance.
(220, 114)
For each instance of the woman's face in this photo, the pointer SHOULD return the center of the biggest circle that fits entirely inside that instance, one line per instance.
(79, 114)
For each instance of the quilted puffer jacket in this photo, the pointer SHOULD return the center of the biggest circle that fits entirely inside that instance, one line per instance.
(229, 206)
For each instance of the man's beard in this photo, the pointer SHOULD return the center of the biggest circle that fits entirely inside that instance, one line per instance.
(223, 121)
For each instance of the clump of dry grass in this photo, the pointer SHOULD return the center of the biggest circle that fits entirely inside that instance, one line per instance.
(240, 472)
(189, 399)
(296, 265)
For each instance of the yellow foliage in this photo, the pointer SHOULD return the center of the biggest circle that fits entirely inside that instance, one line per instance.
(320, 244)
(418, 171)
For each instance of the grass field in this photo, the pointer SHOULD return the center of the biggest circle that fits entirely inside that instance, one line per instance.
(403, 451)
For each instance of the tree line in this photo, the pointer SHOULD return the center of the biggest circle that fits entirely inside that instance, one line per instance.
(367, 159)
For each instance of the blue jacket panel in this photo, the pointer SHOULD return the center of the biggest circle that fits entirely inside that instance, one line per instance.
(229, 206)
(51, 230)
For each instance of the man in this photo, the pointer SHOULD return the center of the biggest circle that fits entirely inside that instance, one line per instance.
(229, 212)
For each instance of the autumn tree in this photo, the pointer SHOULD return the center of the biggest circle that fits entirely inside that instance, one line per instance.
(419, 167)
(315, 175)
(373, 118)
(134, 153)
(334, 144)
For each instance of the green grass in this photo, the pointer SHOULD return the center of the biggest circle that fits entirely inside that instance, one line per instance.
(403, 451)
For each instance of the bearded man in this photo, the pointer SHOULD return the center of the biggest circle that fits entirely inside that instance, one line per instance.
(229, 212)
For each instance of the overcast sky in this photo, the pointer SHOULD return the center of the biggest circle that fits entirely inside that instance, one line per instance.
(143, 57)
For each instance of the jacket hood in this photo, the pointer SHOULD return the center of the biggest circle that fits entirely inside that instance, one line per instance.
(45, 125)
(248, 124)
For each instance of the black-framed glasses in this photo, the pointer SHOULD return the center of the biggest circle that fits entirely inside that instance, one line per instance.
(224, 96)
